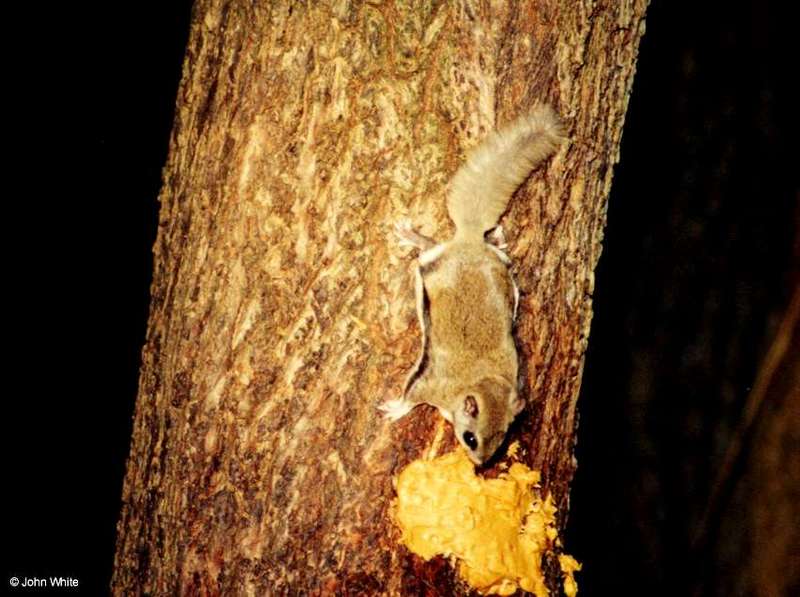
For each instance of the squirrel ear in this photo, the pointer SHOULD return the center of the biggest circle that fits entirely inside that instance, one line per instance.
(471, 406)
(517, 405)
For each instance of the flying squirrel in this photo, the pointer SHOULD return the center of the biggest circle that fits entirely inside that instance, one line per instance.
(466, 296)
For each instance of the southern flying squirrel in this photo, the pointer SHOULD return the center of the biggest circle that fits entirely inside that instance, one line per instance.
(466, 297)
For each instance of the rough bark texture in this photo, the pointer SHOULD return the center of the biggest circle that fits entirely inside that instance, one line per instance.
(282, 312)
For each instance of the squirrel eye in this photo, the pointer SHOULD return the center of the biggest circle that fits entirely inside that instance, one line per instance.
(469, 439)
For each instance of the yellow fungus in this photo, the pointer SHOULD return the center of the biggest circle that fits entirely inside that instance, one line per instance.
(569, 566)
(496, 529)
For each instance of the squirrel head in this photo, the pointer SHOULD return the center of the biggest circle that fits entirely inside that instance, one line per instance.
(482, 415)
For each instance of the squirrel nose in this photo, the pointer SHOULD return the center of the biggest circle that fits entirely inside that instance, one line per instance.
(475, 457)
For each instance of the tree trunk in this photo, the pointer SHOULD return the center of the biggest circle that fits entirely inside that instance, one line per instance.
(282, 313)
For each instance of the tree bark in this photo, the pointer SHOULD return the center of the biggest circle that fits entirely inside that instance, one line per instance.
(282, 312)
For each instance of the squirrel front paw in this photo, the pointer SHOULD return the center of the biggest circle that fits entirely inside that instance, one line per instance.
(395, 409)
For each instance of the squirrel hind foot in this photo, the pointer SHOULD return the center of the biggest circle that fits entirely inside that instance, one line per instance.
(408, 237)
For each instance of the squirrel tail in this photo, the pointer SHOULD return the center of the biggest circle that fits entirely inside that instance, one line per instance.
(483, 186)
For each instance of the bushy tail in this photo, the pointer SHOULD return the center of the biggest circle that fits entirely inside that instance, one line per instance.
(482, 187)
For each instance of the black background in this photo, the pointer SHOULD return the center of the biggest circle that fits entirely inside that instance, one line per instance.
(699, 256)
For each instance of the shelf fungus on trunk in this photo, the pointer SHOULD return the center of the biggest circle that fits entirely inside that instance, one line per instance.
(494, 530)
